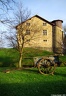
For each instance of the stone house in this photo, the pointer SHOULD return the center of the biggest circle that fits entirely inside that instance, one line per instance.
(48, 35)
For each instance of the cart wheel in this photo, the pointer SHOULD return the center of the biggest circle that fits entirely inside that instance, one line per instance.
(64, 63)
(45, 67)
(52, 69)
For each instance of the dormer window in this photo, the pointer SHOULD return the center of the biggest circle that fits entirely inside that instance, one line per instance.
(44, 24)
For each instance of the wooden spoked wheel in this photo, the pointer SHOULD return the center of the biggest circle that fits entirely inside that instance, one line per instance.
(45, 66)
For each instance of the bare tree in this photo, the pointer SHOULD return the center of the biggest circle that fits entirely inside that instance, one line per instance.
(64, 30)
(24, 33)
(1, 42)
(64, 40)
(5, 6)
(21, 14)
(26, 38)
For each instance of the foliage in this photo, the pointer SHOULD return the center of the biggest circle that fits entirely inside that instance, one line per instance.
(29, 82)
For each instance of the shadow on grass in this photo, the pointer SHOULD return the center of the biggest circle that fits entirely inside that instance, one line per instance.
(25, 84)
(36, 71)
(60, 74)
(33, 89)
(31, 70)
(6, 61)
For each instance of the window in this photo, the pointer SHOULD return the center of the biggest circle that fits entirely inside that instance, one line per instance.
(27, 32)
(44, 24)
(28, 40)
(45, 40)
(28, 24)
(44, 32)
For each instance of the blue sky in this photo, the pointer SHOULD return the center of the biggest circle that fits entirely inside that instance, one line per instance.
(48, 9)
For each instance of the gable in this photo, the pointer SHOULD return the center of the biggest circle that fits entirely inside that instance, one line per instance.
(43, 19)
(37, 17)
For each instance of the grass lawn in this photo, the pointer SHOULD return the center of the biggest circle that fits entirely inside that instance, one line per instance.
(29, 82)
(10, 57)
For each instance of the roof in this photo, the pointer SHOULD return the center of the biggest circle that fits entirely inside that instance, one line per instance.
(37, 17)
(51, 23)
(42, 19)
(57, 20)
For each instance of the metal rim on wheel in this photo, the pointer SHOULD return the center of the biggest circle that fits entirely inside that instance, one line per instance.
(45, 67)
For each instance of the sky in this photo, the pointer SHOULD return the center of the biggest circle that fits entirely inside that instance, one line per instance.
(48, 9)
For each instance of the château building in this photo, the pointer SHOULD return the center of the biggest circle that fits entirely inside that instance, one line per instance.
(45, 35)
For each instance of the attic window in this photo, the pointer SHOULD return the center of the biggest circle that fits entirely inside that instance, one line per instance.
(44, 24)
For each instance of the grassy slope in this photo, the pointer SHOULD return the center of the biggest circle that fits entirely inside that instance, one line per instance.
(29, 82)
(10, 57)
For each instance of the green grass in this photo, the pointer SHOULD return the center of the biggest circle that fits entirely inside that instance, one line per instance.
(10, 57)
(29, 82)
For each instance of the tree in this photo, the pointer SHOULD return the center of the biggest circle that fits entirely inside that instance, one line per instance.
(1, 40)
(5, 6)
(26, 38)
(21, 37)
(64, 40)
(5, 2)
(64, 30)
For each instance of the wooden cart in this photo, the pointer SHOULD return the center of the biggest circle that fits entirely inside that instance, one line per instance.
(46, 64)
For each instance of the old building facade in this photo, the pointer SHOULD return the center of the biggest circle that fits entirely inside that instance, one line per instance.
(42, 33)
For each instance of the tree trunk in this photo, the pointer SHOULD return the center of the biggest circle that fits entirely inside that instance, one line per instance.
(20, 61)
